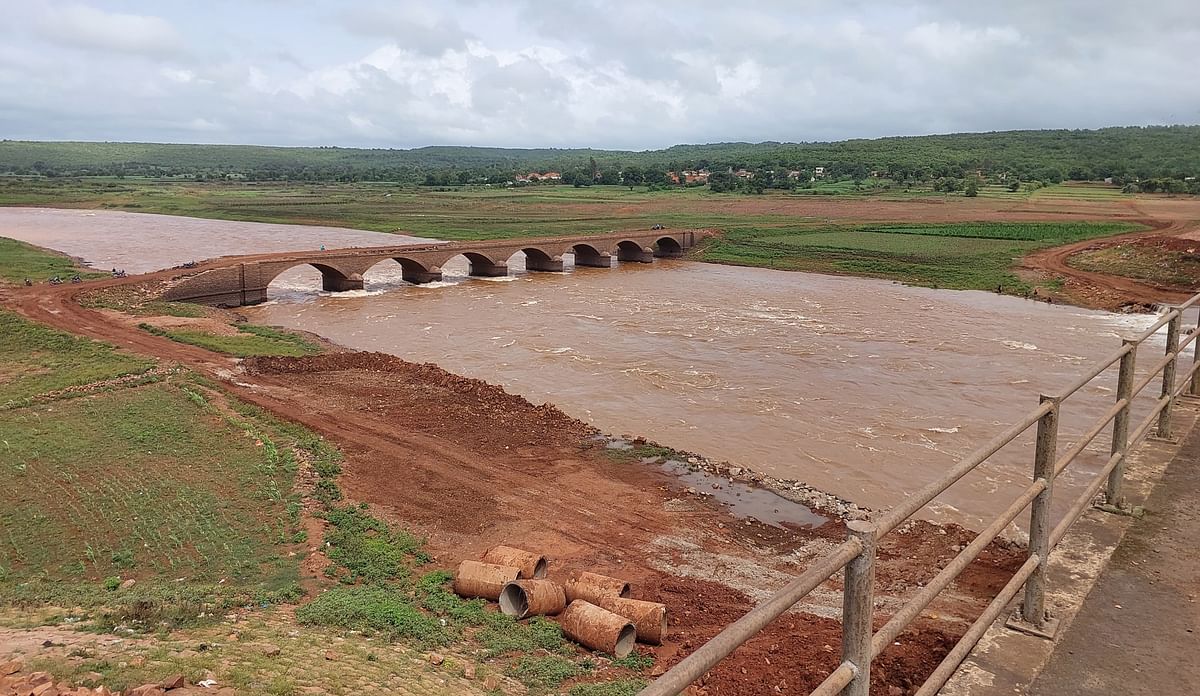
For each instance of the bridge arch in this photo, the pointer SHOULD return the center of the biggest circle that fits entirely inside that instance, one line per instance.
(411, 270)
(629, 250)
(588, 255)
(537, 259)
(333, 279)
(481, 265)
(668, 247)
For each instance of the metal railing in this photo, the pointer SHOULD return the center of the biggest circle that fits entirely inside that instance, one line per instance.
(856, 555)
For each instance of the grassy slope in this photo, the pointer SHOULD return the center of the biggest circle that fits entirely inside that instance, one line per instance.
(35, 359)
(23, 261)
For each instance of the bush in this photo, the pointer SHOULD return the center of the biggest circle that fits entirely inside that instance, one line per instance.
(372, 608)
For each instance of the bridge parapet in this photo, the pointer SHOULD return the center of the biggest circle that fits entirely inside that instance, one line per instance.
(242, 281)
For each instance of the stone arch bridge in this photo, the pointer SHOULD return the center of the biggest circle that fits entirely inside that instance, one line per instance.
(243, 280)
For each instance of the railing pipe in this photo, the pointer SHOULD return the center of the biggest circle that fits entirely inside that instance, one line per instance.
(706, 656)
(1099, 369)
(1162, 321)
(1120, 436)
(858, 605)
(1084, 501)
(913, 608)
(963, 647)
(897, 515)
(1168, 383)
(1081, 442)
(835, 682)
(1034, 608)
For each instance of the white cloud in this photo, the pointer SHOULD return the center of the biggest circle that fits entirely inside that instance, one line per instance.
(81, 26)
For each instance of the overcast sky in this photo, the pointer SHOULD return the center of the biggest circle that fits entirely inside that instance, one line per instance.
(568, 73)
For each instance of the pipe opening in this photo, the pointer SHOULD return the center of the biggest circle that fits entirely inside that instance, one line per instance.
(539, 570)
(514, 601)
(625, 641)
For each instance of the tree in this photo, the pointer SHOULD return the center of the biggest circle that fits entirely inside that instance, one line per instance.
(972, 189)
(632, 176)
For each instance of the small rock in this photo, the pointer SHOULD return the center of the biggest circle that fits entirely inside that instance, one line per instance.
(271, 650)
(469, 670)
(491, 683)
(146, 690)
(894, 690)
(39, 678)
(658, 669)
(735, 471)
(46, 689)
(128, 584)
(436, 658)
(174, 681)
(137, 661)
(232, 637)
(10, 667)
(330, 655)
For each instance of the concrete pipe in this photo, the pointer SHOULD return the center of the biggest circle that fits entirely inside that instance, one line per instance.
(531, 564)
(486, 580)
(598, 629)
(590, 587)
(649, 618)
(532, 598)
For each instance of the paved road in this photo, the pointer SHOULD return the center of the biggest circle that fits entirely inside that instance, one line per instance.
(1139, 629)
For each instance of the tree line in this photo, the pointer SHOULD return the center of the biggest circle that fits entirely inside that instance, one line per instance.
(1127, 154)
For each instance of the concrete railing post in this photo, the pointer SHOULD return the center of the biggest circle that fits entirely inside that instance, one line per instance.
(1194, 387)
(858, 603)
(1120, 434)
(1033, 611)
(1168, 381)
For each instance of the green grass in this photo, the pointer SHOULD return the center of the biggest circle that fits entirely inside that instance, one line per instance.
(379, 609)
(35, 359)
(19, 261)
(149, 483)
(967, 256)
(545, 672)
(251, 340)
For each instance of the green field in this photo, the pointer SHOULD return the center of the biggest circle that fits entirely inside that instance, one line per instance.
(35, 360)
(250, 340)
(967, 256)
(22, 261)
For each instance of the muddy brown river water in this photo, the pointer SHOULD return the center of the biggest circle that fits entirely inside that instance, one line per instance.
(863, 388)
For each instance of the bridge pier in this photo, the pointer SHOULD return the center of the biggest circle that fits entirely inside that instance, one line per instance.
(593, 259)
(645, 255)
(420, 277)
(488, 270)
(548, 265)
(337, 283)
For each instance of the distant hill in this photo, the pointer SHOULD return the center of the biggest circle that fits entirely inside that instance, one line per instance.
(1125, 152)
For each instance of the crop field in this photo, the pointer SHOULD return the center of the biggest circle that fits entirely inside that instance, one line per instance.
(35, 360)
(149, 483)
(965, 256)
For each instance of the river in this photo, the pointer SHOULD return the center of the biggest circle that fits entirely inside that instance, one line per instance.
(863, 388)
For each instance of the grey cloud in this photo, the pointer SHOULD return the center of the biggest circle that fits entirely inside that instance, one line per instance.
(596, 73)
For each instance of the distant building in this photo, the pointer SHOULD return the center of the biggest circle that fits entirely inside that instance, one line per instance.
(819, 172)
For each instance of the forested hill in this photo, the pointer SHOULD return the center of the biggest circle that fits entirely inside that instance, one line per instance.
(1048, 155)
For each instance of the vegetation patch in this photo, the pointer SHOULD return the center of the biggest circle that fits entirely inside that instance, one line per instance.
(20, 261)
(251, 340)
(545, 672)
(35, 359)
(142, 483)
(620, 687)
(964, 256)
(380, 609)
